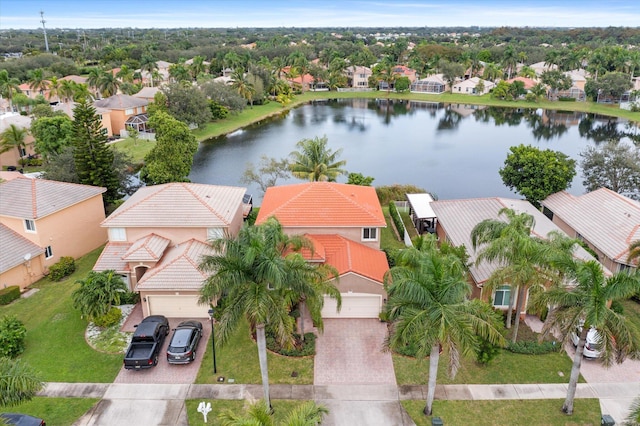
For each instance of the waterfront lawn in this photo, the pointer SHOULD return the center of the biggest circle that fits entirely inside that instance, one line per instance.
(238, 360)
(511, 412)
(55, 343)
(55, 411)
(137, 150)
(388, 238)
(280, 407)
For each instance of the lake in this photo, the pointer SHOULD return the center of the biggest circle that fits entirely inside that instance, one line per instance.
(451, 150)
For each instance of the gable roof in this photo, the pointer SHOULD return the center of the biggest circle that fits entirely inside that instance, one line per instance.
(111, 258)
(322, 204)
(604, 218)
(178, 269)
(528, 82)
(147, 249)
(179, 204)
(27, 198)
(121, 102)
(458, 218)
(349, 256)
(14, 249)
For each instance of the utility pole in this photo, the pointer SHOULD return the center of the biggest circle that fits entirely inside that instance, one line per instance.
(44, 29)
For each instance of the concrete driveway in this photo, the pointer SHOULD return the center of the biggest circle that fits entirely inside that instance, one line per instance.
(350, 352)
(164, 372)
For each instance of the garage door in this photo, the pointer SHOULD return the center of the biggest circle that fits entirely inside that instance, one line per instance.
(177, 306)
(354, 305)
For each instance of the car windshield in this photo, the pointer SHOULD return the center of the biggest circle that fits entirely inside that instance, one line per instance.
(180, 340)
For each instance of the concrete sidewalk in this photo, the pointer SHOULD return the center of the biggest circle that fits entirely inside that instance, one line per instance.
(616, 398)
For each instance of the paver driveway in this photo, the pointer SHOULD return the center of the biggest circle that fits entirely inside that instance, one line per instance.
(350, 352)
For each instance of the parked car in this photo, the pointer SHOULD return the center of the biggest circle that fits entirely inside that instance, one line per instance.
(21, 419)
(146, 343)
(184, 342)
(591, 345)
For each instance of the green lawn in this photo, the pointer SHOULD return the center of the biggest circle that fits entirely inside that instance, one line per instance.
(55, 411)
(238, 359)
(55, 343)
(513, 412)
(137, 150)
(388, 239)
(280, 407)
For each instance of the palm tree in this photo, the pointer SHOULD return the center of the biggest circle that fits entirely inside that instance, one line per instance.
(253, 272)
(428, 307)
(125, 74)
(634, 251)
(522, 259)
(509, 60)
(197, 66)
(259, 414)
(242, 85)
(108, 84)
(148, 63)
(98, 292)
(18, 382)
(491, 72)
(585, 304)
(54, 88)
(384, 72)
(315, 162)
(67, 89)
(633, 419)
(37, 81)
(95, 76)
(14, 137)
(178, 72)
(8, 86)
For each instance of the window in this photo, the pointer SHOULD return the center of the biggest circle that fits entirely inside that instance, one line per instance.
(48, 252)
(502, 296)
(214, 233)
(129, 111)
(29, 225)
(23, 152)
(627, 269)
(370, 234)
(117, 234)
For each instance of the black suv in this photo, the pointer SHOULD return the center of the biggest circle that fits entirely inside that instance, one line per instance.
(21, 419)
(184, 342)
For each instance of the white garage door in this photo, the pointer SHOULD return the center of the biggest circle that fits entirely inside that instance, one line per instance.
(354, 305)
(177, 306)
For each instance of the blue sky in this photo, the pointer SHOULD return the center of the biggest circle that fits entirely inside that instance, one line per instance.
(318, 13)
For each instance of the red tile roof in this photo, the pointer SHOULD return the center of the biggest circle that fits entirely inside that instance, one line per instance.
(322, 204)
(348, 256)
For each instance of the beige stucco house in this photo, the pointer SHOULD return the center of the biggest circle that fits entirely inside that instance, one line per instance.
(158, 236)
(43, 220)
(343, 222)
(358, 76)
(607, 221)
(120, 111)
(470, 86)
(12, 157)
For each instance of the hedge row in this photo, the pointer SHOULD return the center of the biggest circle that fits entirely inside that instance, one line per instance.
(9, 294)
(397, 220)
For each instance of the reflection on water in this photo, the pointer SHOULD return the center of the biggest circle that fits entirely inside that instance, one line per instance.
(452, 150)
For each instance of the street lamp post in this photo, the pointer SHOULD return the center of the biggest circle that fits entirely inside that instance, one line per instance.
(213, 341)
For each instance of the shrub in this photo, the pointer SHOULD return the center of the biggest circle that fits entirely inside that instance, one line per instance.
(530, 97)
(300, 348)
(9, 294)
(12, 334)
(386, 194)
(566, 99)
(64, 267)
(534, 348)
(397, 220)
(110, 318)
(130, 298)
(486, 352)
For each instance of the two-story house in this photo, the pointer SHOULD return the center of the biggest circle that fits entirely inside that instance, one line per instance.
(358, 76)
(123, 111)
(343, 222)
(43, 220)
(158, 236)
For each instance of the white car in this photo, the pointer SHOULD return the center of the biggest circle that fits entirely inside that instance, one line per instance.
(590, 346)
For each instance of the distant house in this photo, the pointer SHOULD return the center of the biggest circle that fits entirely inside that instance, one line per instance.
(123, 111)
(404, 71)
(147, 93)
(528, 82)
(12, 157)
(358, 76)
(157, 239)
(540, 67)
(607, 221)
(42, 221)
(435, 84)
(343, 222)
(470, 86)
(457, 218)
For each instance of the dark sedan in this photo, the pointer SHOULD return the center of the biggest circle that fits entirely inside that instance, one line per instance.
(184, 342)
(21, 419)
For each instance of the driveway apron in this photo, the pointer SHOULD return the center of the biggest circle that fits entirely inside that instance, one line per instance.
(350, 352)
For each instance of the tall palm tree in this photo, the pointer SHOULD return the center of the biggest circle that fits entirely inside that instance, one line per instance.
(37, 81)
(94, 78)
(384, 72)
(18, 382)
(148, 63)
(54, 88)
(8, 86)
(197, 66)
(242, 85)
(521, 257)
(108, 84)
(315, 162)
(14, 137)
(67, 90)
(585, 304)
(179, 72)
(125, 74)
(258, 414)
(509, 60)
(252, 272)
(428, 307)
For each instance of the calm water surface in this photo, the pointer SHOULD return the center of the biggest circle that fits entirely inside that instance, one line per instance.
(451, 150)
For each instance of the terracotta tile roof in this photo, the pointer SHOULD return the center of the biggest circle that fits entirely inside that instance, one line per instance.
(349, 256)
(147, 249)
(178, 204)
(36, 198)
(111, 258)
(14, 248)
(75, 78)
(604, 218)
(528, 82)
(178, 269)
(458, 217)
(121, 102)
(322, 204)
